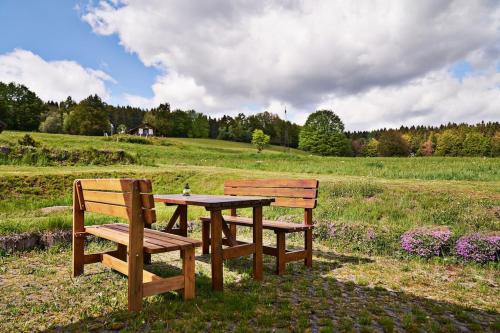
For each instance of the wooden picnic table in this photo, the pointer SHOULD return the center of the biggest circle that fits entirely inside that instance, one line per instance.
(215, 204)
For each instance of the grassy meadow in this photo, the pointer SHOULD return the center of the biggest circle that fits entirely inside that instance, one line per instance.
(360, 283)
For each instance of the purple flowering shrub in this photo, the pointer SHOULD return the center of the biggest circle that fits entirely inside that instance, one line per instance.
(478, 247)
(425, 242)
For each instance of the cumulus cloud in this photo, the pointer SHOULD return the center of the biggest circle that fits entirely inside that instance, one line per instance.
(52, 80)
(219, 56)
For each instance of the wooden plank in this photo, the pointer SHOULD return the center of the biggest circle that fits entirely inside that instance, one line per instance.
(257, 240)
(280, 251)
(238, 251)
(114, 198)
(294, 203)
(78, 259)
(122, 267)
(152, 244)
(135, 252)
(205, 237)
(295, 255)
(293, 183)
(118, 211)
(173, 219)
(113, 210)
(188, 270)
(308, 238)
(183, 220)
(121, 185)
(115, 263)
(163, 285)
(213, 202)
(216, 250)
(288, 192)
(107, 233)
(227, 232)
(266, 224)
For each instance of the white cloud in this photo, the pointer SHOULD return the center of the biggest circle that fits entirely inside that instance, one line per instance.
(436, 98)
(52, 80)
(218, 56)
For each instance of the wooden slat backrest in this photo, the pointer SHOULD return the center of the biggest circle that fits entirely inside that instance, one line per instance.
(115, 197)
(292, 193)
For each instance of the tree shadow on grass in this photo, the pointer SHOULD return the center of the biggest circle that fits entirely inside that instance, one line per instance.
(299, 300)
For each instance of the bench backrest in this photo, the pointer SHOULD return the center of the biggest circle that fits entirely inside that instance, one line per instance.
(292, 193)
(117, 197)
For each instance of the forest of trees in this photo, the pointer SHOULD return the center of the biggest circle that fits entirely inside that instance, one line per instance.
(323, 133)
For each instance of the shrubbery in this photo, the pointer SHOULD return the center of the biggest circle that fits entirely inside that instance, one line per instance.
(130, 139)
(478, 247)
(30, 155)
(426, 242)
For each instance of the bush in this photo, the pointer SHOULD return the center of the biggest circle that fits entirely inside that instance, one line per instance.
(28, 155)
(425, 242)
(260, 140)
(478, 247)
(130, 139)
(392, 143)
(27, 141)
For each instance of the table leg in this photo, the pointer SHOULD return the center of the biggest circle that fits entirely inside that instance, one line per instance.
(183, 220)
(257, 240)
(216, 250)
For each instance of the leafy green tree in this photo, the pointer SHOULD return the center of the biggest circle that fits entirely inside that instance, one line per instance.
(370, 149)
(449, 143)
(89, 117)
(392, 143)
(323, 134)
(121, 129)
(259, 139)
(52, 123)
(199, 126)
(20, 108)
(160, 118)
(495, 145)
(476, 144)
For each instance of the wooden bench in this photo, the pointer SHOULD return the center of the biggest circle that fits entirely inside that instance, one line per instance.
(131, 200)
(291, 193)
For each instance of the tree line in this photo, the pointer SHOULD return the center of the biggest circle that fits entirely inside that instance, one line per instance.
(322, 134)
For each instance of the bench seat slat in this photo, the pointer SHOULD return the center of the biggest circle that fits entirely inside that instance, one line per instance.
(154, 241)
(266, 224)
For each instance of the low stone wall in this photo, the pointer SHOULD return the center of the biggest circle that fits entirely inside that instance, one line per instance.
(32, 240)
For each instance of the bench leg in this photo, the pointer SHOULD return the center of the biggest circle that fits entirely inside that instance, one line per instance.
(188, 265)
(232, 228)
(78, 255)
(281, 249)
(205, 235)
(308, 247)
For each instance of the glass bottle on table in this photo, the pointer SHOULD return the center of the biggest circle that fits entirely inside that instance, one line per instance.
(186, 191)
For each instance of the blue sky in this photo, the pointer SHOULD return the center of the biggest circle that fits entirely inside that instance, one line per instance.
(426, 66)
(54, 30)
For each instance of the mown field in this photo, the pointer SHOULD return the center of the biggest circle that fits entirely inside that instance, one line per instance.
(369, 202)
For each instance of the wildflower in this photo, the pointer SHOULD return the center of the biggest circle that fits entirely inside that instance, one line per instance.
(478, 247)
(425, 242)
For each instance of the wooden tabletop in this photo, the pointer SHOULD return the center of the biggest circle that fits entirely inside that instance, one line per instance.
(214, 201)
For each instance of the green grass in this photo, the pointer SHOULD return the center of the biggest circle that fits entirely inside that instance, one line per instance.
(381, 196)
(343, 292)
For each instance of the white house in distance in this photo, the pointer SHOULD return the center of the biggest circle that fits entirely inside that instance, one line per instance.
(143, 130)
